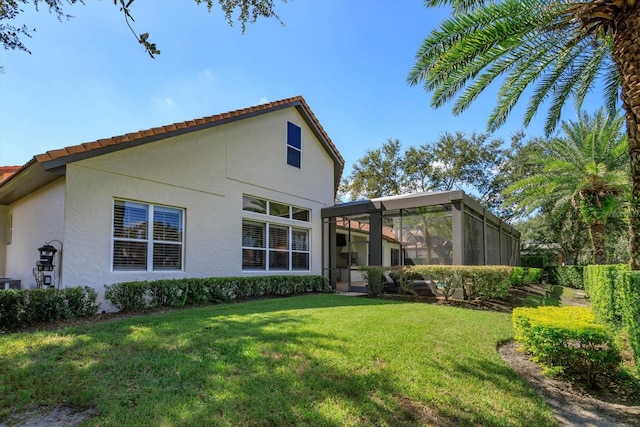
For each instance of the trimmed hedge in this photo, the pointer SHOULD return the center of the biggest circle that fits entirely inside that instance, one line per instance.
(25, 307)
(565, 275)
(631, 311)
(524, 275)
(566, 339)
(604, 285)
(482, 282)
(130, 296)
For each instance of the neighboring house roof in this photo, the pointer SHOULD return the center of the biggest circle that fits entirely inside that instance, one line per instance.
(363, 227)
(44, 168)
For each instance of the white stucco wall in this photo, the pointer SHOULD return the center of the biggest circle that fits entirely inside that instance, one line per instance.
(206, 173)
(37, 219)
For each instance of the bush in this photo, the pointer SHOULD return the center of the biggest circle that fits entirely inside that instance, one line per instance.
(446, 278)
(25, 307)
(403, 277)
(131, 296)
(566, 275)
(566, 339)
(517, 276)
(532, 275)
(483, 281)
(604, 285)
(374, 276)
(488, 282)
(631, 311)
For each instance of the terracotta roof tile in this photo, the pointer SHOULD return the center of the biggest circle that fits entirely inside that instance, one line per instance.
(129, 137)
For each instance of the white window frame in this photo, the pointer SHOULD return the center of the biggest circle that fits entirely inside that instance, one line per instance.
(149, 241)
(266, 249)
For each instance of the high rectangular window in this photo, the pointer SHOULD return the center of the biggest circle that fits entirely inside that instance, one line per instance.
(294, 145)
(147, 237)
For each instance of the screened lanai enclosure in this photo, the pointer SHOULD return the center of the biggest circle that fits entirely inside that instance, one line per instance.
(447, 228)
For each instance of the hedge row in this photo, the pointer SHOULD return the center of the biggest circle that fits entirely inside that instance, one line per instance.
(483, 282)
(604, 285)
(130, 296)
(524, 275)
(566, 339)
(570, 276)
(25, 307)
(631, 311)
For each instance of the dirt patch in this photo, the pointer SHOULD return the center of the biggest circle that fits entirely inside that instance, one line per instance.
(570, 405)
(60, 416)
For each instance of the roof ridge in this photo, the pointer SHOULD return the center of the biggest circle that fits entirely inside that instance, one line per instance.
(159, 130)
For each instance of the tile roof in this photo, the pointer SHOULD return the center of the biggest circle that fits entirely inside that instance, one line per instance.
(186, 125)
(44, 168)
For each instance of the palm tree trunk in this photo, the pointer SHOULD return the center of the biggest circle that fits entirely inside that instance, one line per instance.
(597, 230)
(626, 54)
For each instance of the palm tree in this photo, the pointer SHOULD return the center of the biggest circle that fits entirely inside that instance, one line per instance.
(586, 169)
(559, 48)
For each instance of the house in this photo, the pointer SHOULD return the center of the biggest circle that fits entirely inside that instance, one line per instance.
(238, 193)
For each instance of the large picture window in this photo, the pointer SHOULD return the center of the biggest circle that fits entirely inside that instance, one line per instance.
(274, 247)
(272, 242)
(147, 237)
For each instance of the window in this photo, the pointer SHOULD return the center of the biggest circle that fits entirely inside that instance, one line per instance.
(395, 256)
(147, 237)
(294, 145)
(275, 209)
(274, 247)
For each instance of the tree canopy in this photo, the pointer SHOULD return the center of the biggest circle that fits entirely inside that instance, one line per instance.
(12, 36)
(558, 50)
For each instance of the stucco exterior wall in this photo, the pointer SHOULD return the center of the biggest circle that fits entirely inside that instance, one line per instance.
(37, 219)
(206, 173)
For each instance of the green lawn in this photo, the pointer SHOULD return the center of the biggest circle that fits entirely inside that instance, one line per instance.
(312, 360)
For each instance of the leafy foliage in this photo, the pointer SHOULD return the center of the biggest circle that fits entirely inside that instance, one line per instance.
(567, 338)
(374, 276)
(26, 307)
(131, 296)
(527, 43)
(11, 37)
(604, 284)
(454, 161)
(565, 275)
(586, 170)
(631, 311)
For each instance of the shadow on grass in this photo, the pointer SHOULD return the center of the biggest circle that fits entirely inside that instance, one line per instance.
(261, 363)
(551, 297)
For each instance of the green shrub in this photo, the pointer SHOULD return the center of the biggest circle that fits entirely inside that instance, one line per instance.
(446, 278)
(517, 276)
(477, 281)
(127, 296)
(604, 285)
(25, 307)
(131, 296)
(565, 275)
(533, 275)
(566, 339)
(631, 311)
(488, 281)
(403, 277)
(374, 276)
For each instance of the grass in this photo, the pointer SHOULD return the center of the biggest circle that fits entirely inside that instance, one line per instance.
(313, 360)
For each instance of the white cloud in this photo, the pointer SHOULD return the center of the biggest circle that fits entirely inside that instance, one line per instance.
(264, 100)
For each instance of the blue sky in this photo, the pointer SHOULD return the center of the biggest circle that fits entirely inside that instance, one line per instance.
(87, 78)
